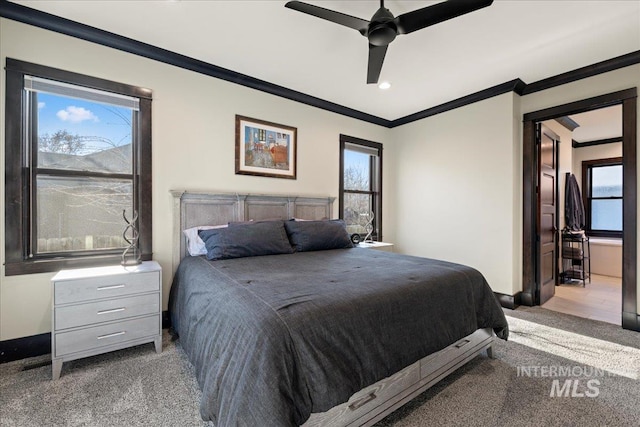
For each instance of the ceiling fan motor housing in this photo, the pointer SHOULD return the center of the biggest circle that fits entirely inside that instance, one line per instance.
(382, 28)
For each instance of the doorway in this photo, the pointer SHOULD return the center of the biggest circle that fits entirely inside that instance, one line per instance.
(531, 293)
(589, 259)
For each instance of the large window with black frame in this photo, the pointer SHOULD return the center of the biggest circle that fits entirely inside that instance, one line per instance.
(81, 148)
(360, 201)
(602, 188)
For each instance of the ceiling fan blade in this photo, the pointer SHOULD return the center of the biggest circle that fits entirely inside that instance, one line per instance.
(430, 15)
(376, 58)
(330, 15)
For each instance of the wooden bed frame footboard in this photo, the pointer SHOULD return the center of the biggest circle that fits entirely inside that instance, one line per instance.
(375, 402)
(371, 404)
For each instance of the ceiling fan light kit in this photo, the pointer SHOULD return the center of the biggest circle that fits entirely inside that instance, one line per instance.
(383, 27)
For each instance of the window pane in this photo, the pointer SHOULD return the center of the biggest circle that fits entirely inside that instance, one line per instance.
(606, 215)
(607, 181)
(357, 171)
(83, 135)
(81, 213)
(357, 212)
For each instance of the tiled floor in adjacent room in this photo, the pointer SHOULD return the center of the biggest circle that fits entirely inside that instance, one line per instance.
(599, 300)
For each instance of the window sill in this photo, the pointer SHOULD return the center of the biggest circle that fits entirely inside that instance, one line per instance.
(605, 241)
(604, 234)
(17, 268)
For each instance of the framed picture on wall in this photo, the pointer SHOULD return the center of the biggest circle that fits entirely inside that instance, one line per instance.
(265, 148)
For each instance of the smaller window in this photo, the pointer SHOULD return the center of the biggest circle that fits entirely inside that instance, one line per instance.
(361, 186)
(602, 187)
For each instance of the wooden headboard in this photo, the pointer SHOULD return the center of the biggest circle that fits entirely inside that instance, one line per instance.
(192, 209)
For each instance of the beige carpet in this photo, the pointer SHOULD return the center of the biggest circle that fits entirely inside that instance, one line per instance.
(137, 387)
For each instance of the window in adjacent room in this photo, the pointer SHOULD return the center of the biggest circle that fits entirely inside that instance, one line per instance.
(361, 185)
(602, 187)
(83, 150)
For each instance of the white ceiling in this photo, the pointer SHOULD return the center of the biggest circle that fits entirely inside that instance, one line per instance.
(603, 123)
(530, 40)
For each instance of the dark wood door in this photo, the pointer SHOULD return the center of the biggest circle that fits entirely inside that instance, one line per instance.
(547, 223)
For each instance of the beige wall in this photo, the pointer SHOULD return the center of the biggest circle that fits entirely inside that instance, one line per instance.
(606, 256)
(455, 197)
(193, 146)
(452, 182)
(459, 178)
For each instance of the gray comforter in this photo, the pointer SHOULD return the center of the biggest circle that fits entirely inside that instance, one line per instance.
(275, 338)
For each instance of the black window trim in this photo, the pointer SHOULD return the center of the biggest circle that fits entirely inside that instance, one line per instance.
(587, 166)
(17, 177)
(344, 139)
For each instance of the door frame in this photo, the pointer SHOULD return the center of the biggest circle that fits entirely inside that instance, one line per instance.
(530, 288)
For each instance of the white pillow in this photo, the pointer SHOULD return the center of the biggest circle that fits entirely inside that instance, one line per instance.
(195, 245)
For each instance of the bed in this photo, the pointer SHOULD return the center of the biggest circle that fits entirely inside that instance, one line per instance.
(337, 337)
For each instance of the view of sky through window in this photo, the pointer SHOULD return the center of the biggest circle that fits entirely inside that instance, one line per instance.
(103, 126)
(606, 214)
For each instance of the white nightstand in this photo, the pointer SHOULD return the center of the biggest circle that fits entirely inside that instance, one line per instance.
(102, 309)
(380, 246)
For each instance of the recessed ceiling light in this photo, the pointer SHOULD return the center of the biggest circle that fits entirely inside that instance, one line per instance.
(384, 85)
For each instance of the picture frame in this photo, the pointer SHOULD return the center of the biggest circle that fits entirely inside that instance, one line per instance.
(265, 148)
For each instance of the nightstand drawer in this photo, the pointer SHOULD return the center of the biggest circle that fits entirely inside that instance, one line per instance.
(105, 311)
(93, 288)
(106, 335)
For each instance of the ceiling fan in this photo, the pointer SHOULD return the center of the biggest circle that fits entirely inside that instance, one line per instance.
(383, 27)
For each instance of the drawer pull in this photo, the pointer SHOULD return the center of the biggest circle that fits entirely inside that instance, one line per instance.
(115, 310)
(111, 335)
(462, 343)
(108, 288)
(368, 398)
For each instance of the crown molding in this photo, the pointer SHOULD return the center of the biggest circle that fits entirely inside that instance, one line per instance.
(75, 29)
(580, 144)
(26, 15)
(515, 85)
(584, 72)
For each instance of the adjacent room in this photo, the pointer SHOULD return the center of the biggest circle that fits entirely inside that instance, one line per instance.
(590, 248)
(319, 213)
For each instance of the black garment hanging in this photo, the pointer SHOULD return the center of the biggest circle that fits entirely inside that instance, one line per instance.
(573, 206)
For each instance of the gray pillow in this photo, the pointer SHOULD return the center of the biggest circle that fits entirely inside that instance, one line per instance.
(261, 238)
(318, 235)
